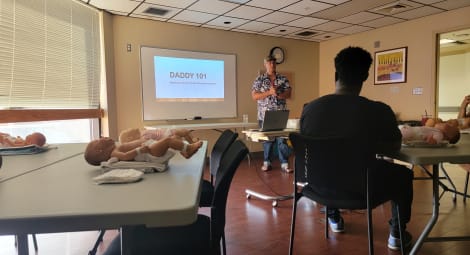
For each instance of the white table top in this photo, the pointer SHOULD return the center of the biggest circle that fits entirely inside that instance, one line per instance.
(62, 197)
(15, 165)
(196, 126)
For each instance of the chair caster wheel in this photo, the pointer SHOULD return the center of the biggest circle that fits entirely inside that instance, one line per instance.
(248, 196)
(274, 203)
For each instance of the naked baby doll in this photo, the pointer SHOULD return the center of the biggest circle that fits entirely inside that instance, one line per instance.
(102, 149)
(6, 140)
(132, 134)
(431, 135)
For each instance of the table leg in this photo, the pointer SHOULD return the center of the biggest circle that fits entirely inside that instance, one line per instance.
(22, 244)
(435, 211)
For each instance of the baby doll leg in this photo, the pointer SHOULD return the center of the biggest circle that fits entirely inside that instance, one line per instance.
(159, 148)
(185, 134)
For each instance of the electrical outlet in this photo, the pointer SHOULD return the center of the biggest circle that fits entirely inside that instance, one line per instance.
(417, 91)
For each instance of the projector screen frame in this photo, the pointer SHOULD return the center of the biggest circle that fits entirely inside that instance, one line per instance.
(153, 109)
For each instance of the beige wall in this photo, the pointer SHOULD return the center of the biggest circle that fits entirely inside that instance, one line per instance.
(420, 38)
(301, 64)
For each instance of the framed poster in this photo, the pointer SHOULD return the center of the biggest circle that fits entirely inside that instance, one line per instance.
(390, 66)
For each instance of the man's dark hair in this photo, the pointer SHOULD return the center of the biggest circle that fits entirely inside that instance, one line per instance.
(352, 66)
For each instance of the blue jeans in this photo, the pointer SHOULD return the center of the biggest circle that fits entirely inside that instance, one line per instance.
(282, 147)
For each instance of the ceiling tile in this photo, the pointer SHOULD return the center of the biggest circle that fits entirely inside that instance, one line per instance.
(116, 5)
(283, 30)
(211, 6)
(183, 22)
(360, 17)
(256, 26)
(271, 4)
(335, 1)
(306, 7)
(418, 12)
(352, 29)
(194, 16)
(247, 12)
(427, 1)
(331, 26)
(306, 22)
(171, 3)
(228, 22)
(381, 22)
(452, 4)
(279, 18)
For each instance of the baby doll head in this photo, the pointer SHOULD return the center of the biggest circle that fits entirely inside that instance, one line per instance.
(128, 135)
(35, 138)
(99, 150)
(451, 133)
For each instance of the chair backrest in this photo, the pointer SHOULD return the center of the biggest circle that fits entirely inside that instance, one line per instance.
(1, 161)
(220, 146)
(229, 163)
(335, 169)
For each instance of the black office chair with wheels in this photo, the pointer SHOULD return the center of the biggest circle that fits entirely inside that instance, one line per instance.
(203, 236)
(226, 138)
(321, 162)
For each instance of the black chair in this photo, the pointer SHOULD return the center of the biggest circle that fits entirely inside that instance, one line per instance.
(319, 162)
(226, 138)
(203, 236)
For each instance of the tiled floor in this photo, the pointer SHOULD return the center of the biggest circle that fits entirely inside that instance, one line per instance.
(254, 227)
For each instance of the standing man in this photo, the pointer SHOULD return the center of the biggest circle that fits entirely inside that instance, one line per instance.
(345, 113)
(271, 90)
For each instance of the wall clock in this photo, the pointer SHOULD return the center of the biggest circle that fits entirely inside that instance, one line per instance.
(278, 54)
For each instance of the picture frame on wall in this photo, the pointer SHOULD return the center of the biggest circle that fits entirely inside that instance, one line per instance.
(390, 66)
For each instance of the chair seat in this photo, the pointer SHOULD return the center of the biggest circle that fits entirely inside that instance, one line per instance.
(334, 202)
(207, 193)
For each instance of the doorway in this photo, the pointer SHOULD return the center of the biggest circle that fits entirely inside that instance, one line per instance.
(453, 72)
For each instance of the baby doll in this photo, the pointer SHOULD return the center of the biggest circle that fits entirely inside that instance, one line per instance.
(102, 149)
(6, 140)
(431, 135)
(132, 134)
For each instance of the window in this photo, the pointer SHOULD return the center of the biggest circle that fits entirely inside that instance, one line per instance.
(50, 61)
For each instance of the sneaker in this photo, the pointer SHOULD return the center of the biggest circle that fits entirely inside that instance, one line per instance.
(336, 226)
(285, 168)
(266, 166)
(394, 242)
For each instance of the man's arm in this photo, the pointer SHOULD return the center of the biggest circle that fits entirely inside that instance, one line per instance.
(262, 95)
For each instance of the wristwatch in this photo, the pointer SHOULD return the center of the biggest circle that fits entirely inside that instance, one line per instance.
(278, 53)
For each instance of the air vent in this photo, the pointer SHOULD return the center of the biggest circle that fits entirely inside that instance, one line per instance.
(156, 11)
(306, 33)
(394, 8)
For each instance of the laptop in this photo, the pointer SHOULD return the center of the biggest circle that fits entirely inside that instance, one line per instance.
(275, 120)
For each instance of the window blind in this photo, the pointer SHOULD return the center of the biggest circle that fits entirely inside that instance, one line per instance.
(49, 55)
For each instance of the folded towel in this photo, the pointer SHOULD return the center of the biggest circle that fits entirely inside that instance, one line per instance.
(119, 176)
(154, 164)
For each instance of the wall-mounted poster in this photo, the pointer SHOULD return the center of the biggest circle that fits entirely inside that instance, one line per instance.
(390, 66)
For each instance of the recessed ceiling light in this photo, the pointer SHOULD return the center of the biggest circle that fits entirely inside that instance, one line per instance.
(227, 22)
(282, 30)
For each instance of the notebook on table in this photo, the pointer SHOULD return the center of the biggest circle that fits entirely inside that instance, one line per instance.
(275, 120)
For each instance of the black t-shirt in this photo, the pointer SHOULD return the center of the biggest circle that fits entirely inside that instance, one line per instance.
(352, 116)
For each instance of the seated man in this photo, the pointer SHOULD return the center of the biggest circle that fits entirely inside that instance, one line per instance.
(370, 120)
